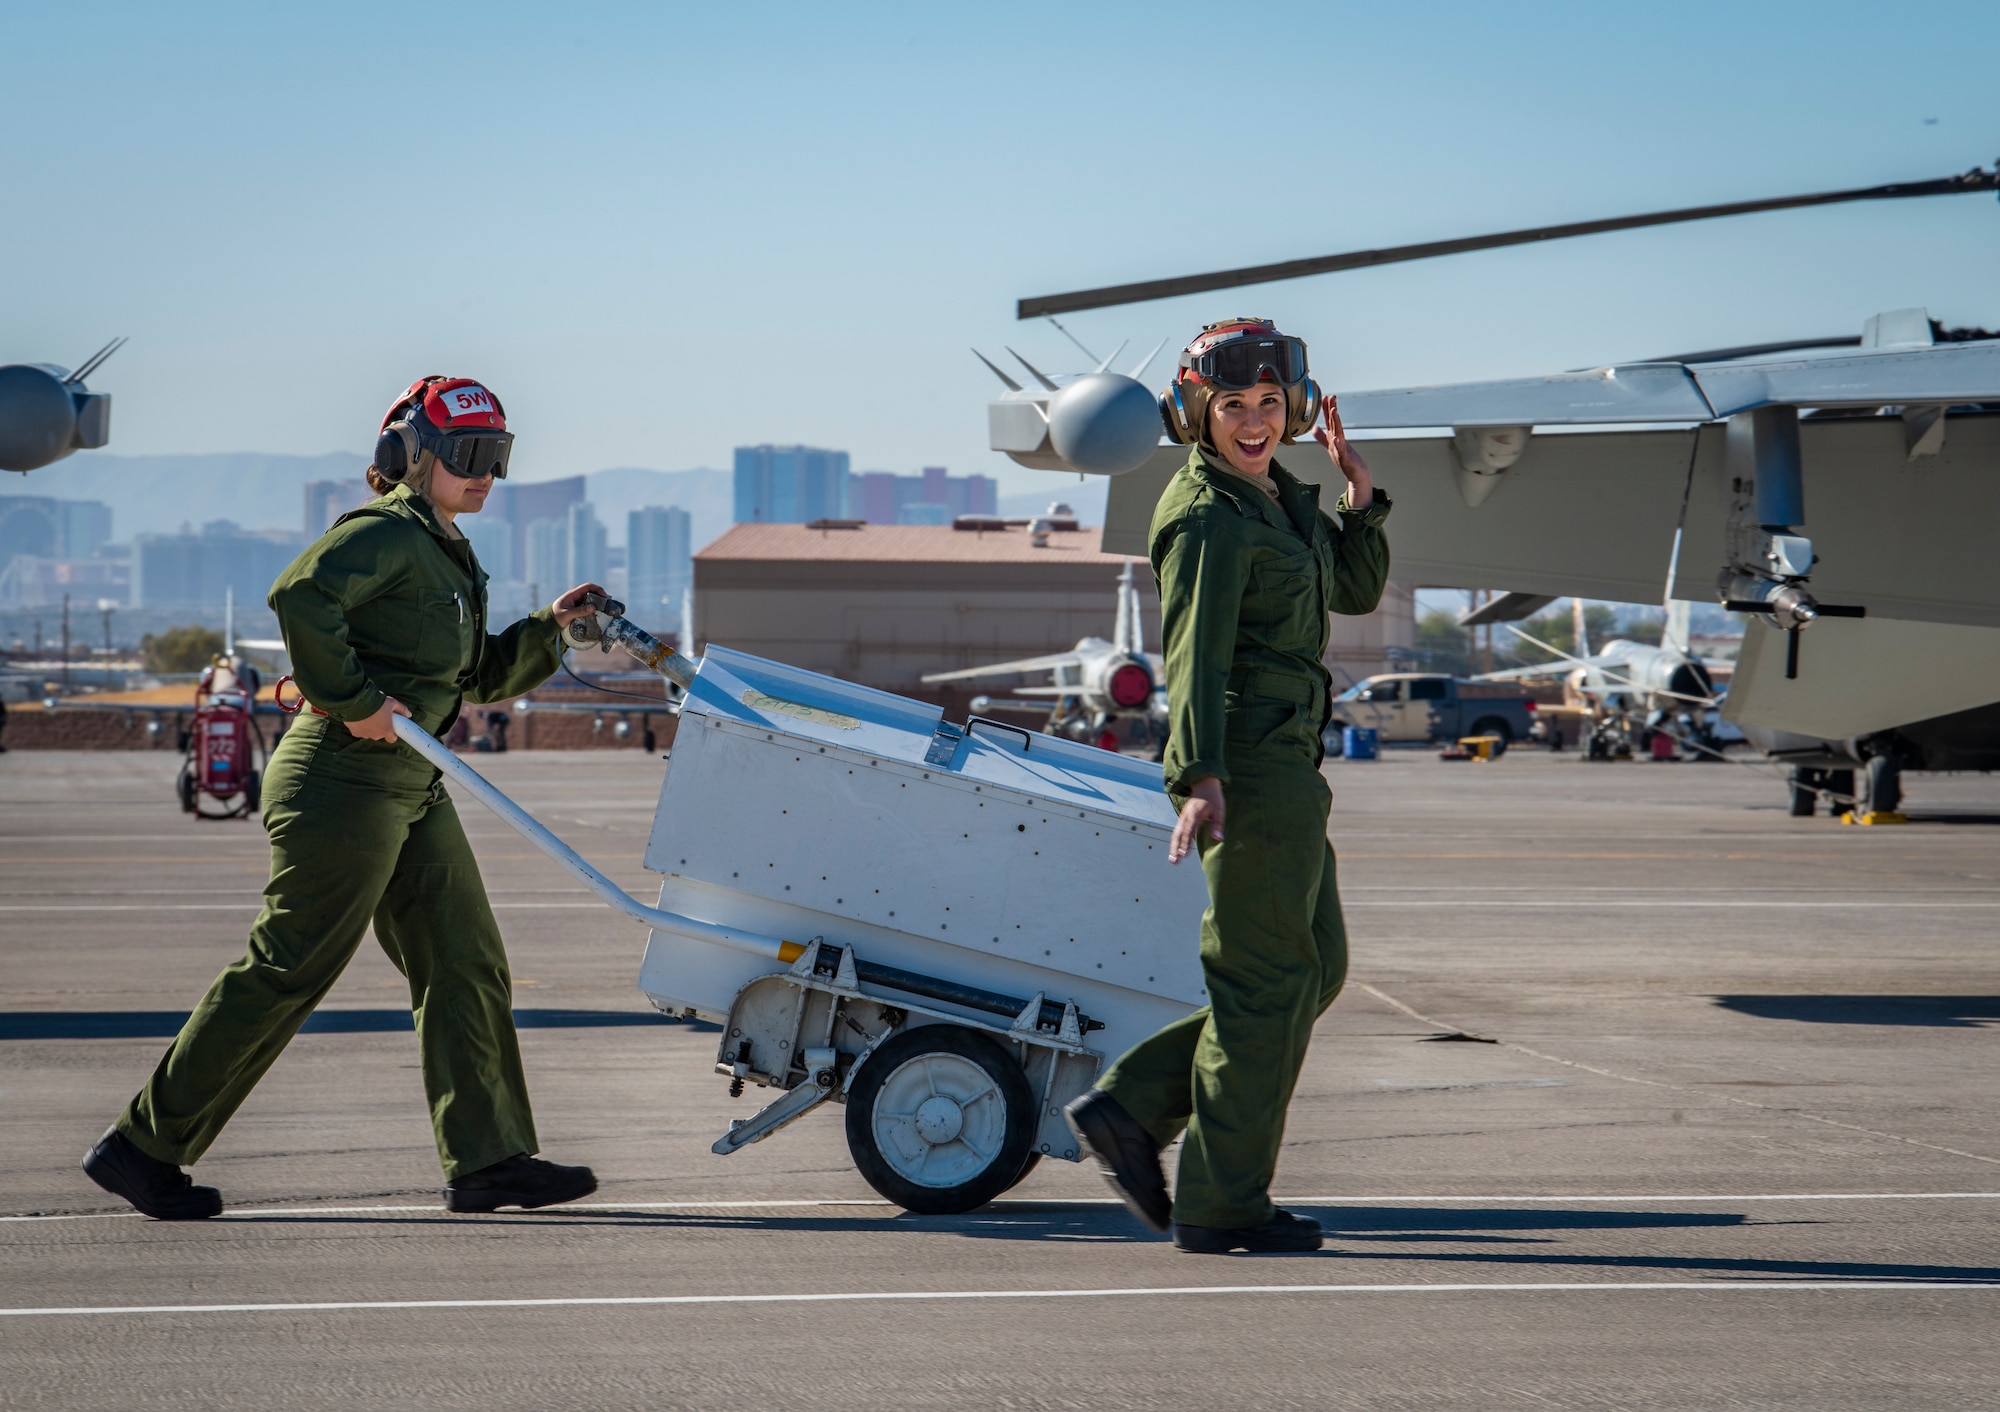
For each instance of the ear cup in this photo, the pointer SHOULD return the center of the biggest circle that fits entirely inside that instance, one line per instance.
(395, 451)
(1174, 415)
(1301, 409)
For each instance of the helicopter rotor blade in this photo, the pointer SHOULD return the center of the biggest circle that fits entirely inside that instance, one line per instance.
(1041, 306)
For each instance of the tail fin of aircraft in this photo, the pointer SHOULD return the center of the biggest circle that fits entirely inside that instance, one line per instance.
(1012, 386)
(1129, 634)
(1578, 629)
(686, 644)
(1147, 362)
(1034, 371)
(95, 360)
(1674, 633)
(1106, 360)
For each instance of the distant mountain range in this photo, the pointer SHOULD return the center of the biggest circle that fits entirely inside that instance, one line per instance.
(159, 494)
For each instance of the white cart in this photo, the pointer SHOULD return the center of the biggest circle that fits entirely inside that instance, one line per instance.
(948, 929)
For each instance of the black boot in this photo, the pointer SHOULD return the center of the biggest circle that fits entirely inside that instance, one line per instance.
(157, 1189)
(520, 1180)
(1127, 1153)
(1283, 1234)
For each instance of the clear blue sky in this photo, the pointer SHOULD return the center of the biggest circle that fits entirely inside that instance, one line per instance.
(663, 231)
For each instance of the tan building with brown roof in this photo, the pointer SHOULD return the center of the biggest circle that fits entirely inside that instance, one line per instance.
(885, 604)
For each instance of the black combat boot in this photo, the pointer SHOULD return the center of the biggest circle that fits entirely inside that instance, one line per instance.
(520, 1180)
(1127, 1153)
(157, 1189)
(1283, 1234)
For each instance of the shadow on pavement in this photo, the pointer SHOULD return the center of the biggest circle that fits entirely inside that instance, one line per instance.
(1097, 1224)
(165, 1024)
(1939, 1011)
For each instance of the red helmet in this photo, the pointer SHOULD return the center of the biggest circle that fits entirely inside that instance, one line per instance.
(456, 419)
(1229, 357)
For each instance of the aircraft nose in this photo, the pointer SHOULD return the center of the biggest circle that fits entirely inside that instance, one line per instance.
(1104, 423)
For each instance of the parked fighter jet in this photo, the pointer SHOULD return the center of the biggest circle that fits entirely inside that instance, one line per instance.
(1107, 693)
(1693, 469)
(46, 412)
(1626, 691)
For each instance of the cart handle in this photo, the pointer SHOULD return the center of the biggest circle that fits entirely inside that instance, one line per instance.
(525, 824)
(1027, 736)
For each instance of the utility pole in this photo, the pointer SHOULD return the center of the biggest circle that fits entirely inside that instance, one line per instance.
(65, 645)
(105, 606)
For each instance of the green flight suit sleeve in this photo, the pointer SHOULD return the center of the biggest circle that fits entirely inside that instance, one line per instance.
(518, 659)
(343, 569)
(1203, 572)
(1361, 560)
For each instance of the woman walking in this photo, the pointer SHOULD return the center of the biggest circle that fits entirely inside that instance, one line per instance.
(1248, 567)
(384, 616)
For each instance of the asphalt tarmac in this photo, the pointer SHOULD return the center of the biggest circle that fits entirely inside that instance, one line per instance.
(1731, 1143)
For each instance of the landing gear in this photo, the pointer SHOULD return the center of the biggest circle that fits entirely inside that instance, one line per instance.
(941, 1120)
(1885, 785)
(1805, 791)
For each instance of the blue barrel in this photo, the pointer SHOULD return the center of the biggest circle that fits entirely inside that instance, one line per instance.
(1357, 742)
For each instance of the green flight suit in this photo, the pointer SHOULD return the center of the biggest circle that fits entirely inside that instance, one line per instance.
(1246, 584)
(384, 604)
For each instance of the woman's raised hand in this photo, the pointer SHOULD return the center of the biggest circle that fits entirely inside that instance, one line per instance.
(1204, 809)
(1333, 436)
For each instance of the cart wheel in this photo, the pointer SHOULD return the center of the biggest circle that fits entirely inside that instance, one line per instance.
(1034, 1161)
(253, 792)
(184, 786)
(940, 1120)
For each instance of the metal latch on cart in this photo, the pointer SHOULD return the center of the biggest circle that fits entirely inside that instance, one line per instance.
(944, 744)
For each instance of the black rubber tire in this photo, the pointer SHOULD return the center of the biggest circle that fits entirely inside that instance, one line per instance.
(253, 793)
(1805, 792)
(1009, 1162)
(1493, 725)
(184, 787)
(1885, 785)
(1034, 1161)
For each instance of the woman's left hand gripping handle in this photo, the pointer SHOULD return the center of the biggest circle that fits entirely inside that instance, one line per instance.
(381, 725)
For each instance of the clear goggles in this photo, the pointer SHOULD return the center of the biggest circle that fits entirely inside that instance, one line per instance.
(1241, 363)
(471, 455)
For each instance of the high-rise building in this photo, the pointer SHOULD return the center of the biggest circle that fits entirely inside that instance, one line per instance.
(48, 528)
(188, 570)
(659, 560)
(328, 500)
(874, 497)
(546, 565)
(493, 541)
(790, 484)
(930, 497)
(521, 503)
(565, 550)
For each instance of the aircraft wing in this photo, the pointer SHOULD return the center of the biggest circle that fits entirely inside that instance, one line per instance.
(1638, 393)
(1026, 664)
(1691, 392)
(1902, 525)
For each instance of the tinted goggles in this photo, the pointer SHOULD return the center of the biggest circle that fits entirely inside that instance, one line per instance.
(1241, 363)
(470, 455)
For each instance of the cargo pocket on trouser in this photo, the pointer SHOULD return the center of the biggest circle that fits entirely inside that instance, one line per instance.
(292, 760)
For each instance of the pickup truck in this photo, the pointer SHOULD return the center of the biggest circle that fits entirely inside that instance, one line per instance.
(1412, 706)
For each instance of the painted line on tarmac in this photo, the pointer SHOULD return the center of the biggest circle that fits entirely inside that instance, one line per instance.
(943, 1295)
(1549, 905)
(1031, 1203)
